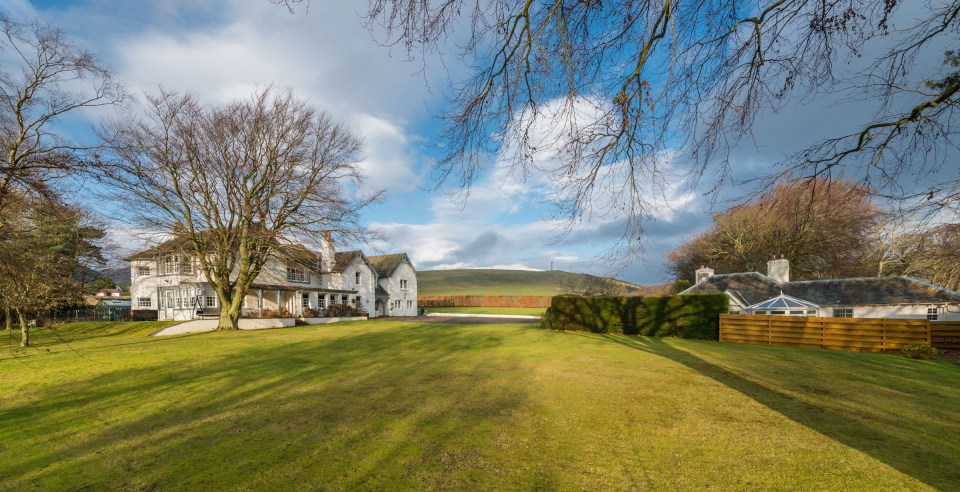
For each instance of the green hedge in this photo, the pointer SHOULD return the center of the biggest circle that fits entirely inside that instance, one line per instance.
(689, 316)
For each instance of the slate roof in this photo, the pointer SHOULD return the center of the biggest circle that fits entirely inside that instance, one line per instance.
(751, 288)
(386, 264)
(343, 259)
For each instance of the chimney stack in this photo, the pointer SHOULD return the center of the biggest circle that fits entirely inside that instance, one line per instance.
(702, 274)
(779, 269)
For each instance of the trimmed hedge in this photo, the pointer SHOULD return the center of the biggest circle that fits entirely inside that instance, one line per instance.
(688, 316)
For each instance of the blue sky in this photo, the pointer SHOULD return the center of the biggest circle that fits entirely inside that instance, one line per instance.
(223, 49)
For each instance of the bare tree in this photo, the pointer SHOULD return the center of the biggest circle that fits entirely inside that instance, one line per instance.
(44, 78)
(827, 230)
(237, 181)
(639, 93)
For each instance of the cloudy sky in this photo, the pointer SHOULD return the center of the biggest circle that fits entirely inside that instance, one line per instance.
(224, 49)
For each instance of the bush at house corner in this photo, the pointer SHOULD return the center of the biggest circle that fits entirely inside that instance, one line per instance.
(689, 316)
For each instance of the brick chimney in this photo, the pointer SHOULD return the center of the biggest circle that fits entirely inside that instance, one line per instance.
(779, 269)
(702, 274)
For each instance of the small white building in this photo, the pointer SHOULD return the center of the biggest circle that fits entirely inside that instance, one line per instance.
(861, 297)
(397, 285)
(167, 284)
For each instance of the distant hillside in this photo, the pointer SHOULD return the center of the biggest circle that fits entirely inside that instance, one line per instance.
(518, 282)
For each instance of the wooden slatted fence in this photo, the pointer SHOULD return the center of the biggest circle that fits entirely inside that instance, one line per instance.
(945, 334)
(853, 334)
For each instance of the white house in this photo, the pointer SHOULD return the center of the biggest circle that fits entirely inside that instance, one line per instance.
(397, 285)
(167, 284)
(862, 297)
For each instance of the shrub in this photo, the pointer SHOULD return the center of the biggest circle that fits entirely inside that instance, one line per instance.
(920, 350)
(343, 311)
(690, 316)
(545, 320)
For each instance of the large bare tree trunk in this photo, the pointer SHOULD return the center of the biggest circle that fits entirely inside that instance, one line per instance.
(24, 330)
(229, 317)
(7, 318)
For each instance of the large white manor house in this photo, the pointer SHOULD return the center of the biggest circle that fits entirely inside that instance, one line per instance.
(168, 284)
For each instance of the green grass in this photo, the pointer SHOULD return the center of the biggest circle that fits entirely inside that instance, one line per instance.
(393, 405)
(488, 310)
(500, 282)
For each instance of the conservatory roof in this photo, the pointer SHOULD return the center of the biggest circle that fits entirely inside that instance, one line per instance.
(784, 301)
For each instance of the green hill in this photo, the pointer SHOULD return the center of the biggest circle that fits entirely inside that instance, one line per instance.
(522, 282)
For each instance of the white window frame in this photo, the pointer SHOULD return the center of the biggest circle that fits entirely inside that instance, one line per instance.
(305, 300)
(144, 302)
(357, 277)
(143, 271)
(321, 302)
(403, 283)
(210, 301)
(297, 274)
(933, 314)
(842, 312)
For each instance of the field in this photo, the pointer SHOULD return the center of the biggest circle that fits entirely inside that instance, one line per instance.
(503, 282)
(488, 310)
(404, 405)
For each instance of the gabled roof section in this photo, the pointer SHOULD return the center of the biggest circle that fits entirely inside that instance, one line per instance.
(385, 265)
(169, 246)
(343, 259)
(754, 287)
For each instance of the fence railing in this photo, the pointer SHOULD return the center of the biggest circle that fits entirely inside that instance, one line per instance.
(853, 334)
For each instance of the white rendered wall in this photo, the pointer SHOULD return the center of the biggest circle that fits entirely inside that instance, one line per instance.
(391, 284)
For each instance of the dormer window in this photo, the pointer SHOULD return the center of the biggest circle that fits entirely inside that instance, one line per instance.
(296, 274)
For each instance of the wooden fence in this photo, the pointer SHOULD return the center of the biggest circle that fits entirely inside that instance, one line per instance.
(484, 301)
(854, 334)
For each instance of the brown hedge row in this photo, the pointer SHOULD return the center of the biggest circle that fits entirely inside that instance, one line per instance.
(484, 301)
(689, 316)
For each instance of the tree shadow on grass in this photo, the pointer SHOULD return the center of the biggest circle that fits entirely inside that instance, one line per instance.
(927, 451)
(408, 407)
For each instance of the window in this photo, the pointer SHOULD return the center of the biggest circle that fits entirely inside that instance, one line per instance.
(933, 314)
(409, 304)
(305, 301)
(296, 274)
(396, 304)
(143, 271)
(321, 302)
(211, 301)
(843, 313)
(186, 265)
(357, 275)
(169, 303)
(797, 312)
(733, 311)
(143, 302)
(344, 299)
(357, 301)
(403, 284)
(778, 312)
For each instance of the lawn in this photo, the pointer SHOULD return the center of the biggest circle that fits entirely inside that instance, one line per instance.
(394, 405)
(488, 310)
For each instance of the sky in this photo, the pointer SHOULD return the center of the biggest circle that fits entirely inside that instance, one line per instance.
(222, 50)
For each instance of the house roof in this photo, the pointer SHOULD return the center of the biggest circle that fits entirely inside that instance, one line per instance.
(120, 303)
(343, 259)
(169, 246)
(753, 287)
(386, 264)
